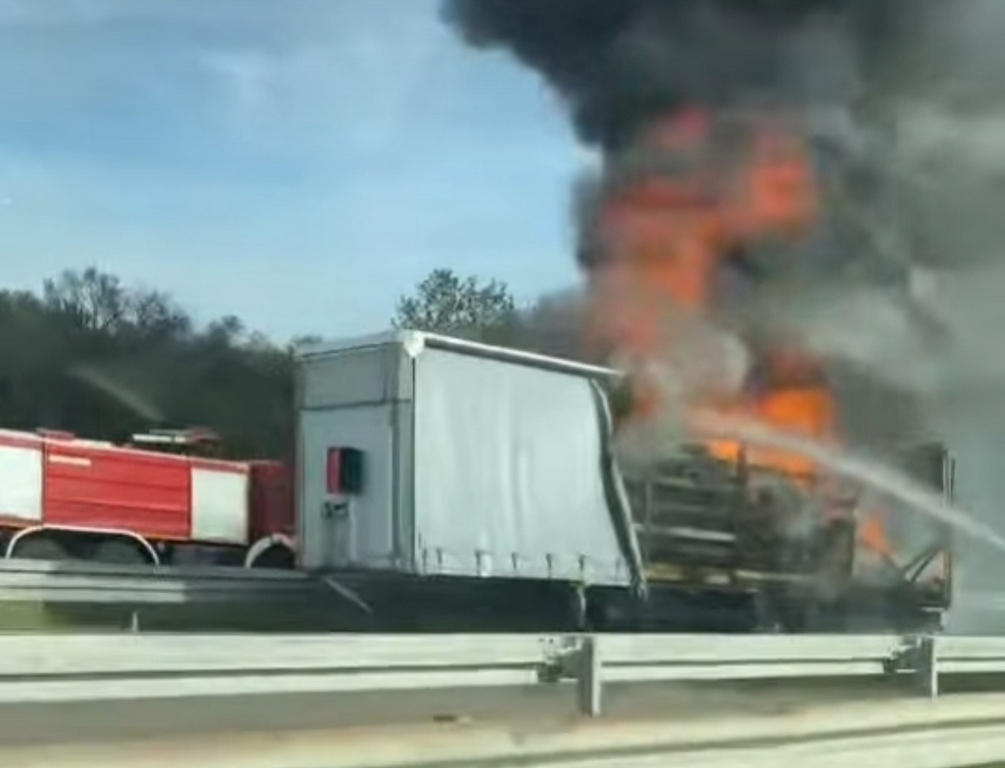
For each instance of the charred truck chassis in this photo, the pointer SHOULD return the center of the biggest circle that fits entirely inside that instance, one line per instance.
(755, 542)
(412, 541)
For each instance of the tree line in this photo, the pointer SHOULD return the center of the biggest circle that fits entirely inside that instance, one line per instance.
(91, 355)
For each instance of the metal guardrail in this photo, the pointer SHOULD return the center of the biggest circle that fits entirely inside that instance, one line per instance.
(593, 661)
(57, 582)
(101, 667)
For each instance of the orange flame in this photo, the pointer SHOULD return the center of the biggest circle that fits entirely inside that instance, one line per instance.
(668, 225)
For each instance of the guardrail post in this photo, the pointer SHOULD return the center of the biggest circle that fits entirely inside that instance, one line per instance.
(927, 666)
(588, 676)
(576, 659)
(918, 656)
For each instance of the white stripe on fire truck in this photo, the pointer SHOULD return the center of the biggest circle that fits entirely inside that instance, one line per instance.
(76, 461)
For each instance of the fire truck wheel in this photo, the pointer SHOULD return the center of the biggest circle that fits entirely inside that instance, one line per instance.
(39, 547)
(119, 552)
(276, 557)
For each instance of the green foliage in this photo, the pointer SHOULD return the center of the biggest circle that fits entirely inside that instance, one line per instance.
(95, 357)
(445, 303)
(102, 359)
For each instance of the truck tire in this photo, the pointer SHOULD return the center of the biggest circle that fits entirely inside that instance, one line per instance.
(276, 557)
(40, 548)
(119, 552)
(580, 610)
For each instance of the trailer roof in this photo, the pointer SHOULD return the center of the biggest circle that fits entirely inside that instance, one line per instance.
(414, 342)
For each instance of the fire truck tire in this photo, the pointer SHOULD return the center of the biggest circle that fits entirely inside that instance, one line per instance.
(119, 552)
(276, 557)
(39, 547)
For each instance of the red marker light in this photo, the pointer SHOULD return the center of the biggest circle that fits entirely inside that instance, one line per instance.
(344, 470)
(333, 471)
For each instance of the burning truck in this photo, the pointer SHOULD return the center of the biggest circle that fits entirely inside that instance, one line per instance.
(467, 484)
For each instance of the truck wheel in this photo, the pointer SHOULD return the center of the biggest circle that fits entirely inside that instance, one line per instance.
(40, 548)
(277, 558)
(116, 552)
(580, 610)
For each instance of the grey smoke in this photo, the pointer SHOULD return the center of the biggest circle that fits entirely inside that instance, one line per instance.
(115, 386)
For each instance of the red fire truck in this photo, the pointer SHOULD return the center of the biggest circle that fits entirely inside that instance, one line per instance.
(161, 498)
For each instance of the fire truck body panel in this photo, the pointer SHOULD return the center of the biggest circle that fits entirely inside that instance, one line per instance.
(21, 470)
(272, 508)
(68, 483)
(219, 502)
(115, 489)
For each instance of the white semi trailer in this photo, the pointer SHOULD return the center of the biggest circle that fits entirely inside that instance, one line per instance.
(448, 484)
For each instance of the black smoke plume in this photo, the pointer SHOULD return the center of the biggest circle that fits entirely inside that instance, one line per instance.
(620, 62)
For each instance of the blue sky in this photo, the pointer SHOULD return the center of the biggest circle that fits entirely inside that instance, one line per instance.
(299, 163)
